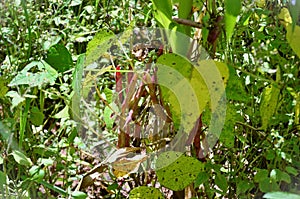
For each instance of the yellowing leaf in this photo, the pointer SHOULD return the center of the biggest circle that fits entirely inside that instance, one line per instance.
(293, 38)
(285, 16)
(293, 33)
(268, 104)
(189, 88)
(126, 166)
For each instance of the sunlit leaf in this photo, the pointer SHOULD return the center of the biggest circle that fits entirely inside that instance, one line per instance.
(21, 159)
(173, 171)
(45, 75)
(294, 8)
(269, 104)
(36, 173)
(16, 98)
(64, 113)
(232, 10)
(107, 117)
(79, 195)
(285, 17)
(76, 85)
(75, 2)
(173, 76)
(108, 95)
(163, 12)
(227, 137)
(293, 38)
(281, 195)
(189, 88)
(144, 192)
(98, 46)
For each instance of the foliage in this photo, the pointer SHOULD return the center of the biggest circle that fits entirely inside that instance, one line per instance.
(48, 148)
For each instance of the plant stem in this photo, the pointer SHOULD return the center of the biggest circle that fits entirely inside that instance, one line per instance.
(28, 28)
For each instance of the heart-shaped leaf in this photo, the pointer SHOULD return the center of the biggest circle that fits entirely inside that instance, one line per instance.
(176, 170)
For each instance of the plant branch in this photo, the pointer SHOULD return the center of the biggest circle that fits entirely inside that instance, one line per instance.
(187, 22)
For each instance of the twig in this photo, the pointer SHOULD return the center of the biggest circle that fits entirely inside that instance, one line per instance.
(187, 22)
(251, 127)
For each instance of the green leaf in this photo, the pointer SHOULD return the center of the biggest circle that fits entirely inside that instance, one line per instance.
(90, 78)
(227, 136)
(278, 175)
(232, 10)
(3, 87)
(201, 178)
(45, 75)
(189, 88)
(268, 104)
(59, 58)
(21, 159)
(284, 177)
(221, 182)
(233, 7)
(281, 195)
(76, 85)
(292, 170)
(144, 192)
(285, 16)
(113, 186)
(36, 116)
(268, 185)
(243, 186)
(36, 173)
(79, 195)
(2, 179)
(64, 113)
(185, 8)
(293, 38)
(98, 46)
(176, 171)
(163, 12)
(230, 22)
(270, 155)
(16, 98)
(184, 12)
(173, 75)
(294, 8)
(261, 175)
(109, 121)
(108, 94)
(46, 161)
(54, 188)
(75, 2)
